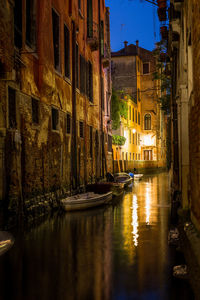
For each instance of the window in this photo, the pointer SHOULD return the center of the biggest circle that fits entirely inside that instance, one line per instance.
(138, 94)
(68, 124)
(133, 114)
(109, 143)
(89, 19)
(56, 39)
(147, 154)
(91, 141)
(77, 67)
(130, 155)
(31, 23)
(138, 139)
(139, 156)
(12, 108)
(126, 155)
(102, 38)
(67, 51)
(145, 68)
(133, 156)
(102, 94)
(81, 131)
(90, 82)
(147, 122)
(130, 136)
(82, 75)
(55, 118)
(129, 112)
(79, 4)
(18, 24)
(35, 111)
(133, 138)
(136, 116)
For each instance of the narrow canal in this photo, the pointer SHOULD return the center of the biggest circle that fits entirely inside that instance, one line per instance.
(115, 252)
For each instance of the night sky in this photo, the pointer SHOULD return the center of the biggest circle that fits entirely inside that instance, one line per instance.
(133, 20)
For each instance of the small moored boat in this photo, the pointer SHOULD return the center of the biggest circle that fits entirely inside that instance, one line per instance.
(138, 176)
(116, 188)
(123, 178)
(85, 201)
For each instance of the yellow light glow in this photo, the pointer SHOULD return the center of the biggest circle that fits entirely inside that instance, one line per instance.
(147, 205)
(135, 220)
(133, 130)
(148, 140)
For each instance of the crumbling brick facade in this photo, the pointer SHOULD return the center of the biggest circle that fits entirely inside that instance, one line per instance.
(55, 90)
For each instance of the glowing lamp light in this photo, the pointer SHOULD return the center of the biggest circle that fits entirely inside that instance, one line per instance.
(148, 140)
(134, 130)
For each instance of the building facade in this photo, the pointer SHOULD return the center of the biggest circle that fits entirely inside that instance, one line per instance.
(145, 127)
(55, 91)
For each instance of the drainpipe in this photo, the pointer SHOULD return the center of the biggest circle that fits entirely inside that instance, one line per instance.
(74, 131)
(100, 91)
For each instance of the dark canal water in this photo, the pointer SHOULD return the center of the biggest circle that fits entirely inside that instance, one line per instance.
(115, 252)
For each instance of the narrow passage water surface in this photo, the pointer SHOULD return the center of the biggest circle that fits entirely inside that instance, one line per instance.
(115, 252)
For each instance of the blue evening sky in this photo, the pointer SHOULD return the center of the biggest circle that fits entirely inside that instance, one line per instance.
(133, 20)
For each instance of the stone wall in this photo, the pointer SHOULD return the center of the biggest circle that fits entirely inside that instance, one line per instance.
(194, 119)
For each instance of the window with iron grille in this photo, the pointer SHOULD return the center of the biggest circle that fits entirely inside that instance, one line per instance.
(91, 141)
(56, 39)
(133, 114)
(35, 111)
(12, 108)
(109, 143)
(145, 68)
(82, 75)
(136, 116)
(55, 118)
(81, 131)
(133, 138)
(31, 23)
(89, 19)
(102, 38)
(102, 94)
(90, 80)
(129, 112)
(68, 123)
(18, 24)
(77, 67)
(67, 51)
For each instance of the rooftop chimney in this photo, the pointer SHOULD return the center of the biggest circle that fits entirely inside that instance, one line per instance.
(125, 45)
(137, 46)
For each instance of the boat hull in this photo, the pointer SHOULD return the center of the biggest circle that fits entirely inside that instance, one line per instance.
(82, 202)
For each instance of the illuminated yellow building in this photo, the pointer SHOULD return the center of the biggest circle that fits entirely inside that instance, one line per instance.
(145, 126)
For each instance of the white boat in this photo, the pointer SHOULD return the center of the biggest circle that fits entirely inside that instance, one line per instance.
(84, 201)
(138, 176)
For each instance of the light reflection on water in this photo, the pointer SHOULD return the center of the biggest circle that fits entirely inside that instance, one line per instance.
(114, 252)
(135, 220)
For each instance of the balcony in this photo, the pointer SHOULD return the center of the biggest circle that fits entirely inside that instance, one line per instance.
(93, 35)
(106, 56)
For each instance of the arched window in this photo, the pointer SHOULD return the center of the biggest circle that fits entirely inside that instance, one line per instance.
(147, 122)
